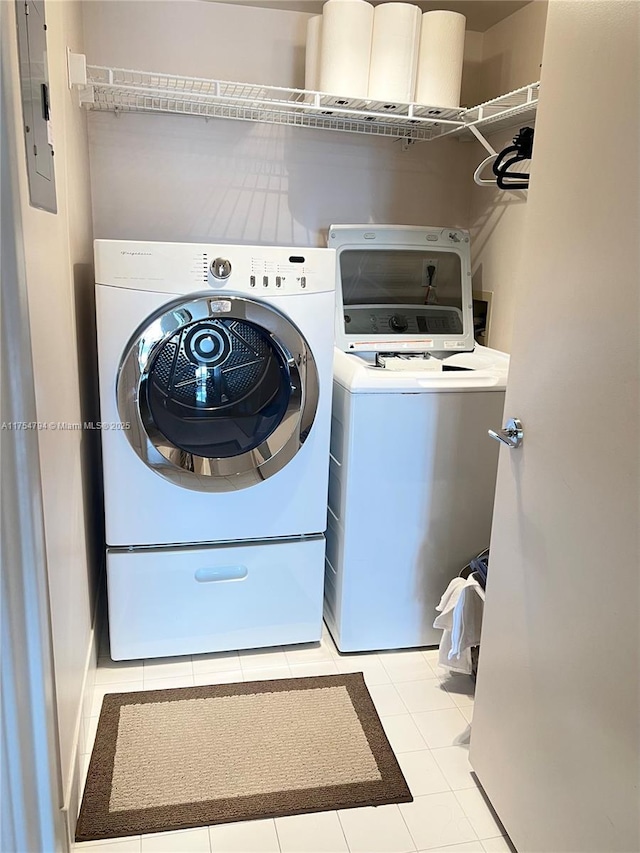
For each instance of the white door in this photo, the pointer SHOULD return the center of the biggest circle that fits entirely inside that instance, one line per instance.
(555, 731)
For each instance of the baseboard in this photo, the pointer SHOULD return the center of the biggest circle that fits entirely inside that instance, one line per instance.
(75, 781)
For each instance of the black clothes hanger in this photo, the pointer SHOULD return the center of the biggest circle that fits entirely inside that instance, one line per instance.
(521, 150)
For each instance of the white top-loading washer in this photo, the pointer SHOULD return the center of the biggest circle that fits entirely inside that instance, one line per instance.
(412, 472)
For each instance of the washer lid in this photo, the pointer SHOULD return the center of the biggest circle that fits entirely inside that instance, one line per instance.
(402, 288)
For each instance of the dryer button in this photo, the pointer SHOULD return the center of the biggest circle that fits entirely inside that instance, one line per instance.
(252, 281)
(278, 281)
(303, 281)
(265, 281)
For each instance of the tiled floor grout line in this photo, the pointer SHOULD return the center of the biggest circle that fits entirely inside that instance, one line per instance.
(401, 699)
(344, 834)
(441, 846)
(423, 749)
(342, 831)
(415, 843)
(275, 826)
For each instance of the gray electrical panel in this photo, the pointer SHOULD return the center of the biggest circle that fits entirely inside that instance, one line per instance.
(34, 81)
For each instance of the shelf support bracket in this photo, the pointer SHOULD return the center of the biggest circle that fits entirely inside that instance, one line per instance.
(77, 77)
(479, 136)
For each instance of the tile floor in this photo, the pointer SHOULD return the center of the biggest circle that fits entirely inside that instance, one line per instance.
(425, 713)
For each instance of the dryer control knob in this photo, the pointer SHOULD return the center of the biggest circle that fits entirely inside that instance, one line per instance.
(399, 323)
(220, 268)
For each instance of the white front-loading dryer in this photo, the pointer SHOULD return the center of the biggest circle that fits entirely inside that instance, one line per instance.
(215, 367)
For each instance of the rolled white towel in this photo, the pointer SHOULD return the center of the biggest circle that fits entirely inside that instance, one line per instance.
(440, 59)
(394, 52)
(312, 54)
(345, 49)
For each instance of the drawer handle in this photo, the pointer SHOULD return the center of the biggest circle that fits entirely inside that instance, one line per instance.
(221, 573)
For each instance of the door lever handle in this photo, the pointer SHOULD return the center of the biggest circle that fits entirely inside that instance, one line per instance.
(512, 434)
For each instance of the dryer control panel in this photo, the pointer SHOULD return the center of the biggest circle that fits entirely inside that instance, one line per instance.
(183, 267)
(288, 274)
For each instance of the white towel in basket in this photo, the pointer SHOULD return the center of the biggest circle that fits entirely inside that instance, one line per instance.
(460, 619)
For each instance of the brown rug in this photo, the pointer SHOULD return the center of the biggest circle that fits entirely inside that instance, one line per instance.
(172, 759)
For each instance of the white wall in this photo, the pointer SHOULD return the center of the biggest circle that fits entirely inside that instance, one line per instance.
(245, 44)
(174, 178)
(512, 54)
(512, 51)
(472, 92)
(59, 273)
(187, 179)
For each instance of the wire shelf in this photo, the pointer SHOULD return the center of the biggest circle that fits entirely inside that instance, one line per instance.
(509, 110)
(125, 90)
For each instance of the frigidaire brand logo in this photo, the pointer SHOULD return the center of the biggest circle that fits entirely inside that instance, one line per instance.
(136, 253)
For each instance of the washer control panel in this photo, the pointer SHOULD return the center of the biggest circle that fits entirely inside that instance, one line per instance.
(402, 319)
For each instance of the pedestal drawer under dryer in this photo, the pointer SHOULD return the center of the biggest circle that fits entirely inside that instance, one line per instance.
(216, 598)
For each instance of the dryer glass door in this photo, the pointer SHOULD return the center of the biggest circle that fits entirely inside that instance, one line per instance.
(221, 392)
